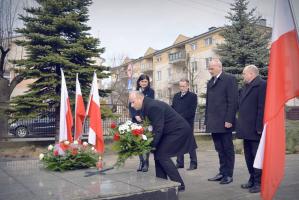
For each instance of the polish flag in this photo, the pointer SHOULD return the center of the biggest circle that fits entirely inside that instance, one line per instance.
(95, 133)
(282, 85)
(66, 119)
(79, 111)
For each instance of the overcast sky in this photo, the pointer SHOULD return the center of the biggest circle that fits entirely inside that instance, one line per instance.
(129, 27)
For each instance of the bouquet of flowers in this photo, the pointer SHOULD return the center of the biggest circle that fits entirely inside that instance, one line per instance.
(131, 139)
(70, 156)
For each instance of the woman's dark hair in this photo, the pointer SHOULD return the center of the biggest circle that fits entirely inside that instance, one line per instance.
(143, 77)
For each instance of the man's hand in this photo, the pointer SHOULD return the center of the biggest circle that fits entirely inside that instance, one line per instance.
(138, 118)
(228, 125)
(153, 150)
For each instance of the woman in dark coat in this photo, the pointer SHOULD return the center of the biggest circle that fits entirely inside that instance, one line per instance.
(142, 85)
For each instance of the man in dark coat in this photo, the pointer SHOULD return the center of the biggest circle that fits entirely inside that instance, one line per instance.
(185, 103)
(172, 135)
(221, 106)
(250, 122)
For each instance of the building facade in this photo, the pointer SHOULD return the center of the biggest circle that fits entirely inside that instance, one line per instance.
(187, 58)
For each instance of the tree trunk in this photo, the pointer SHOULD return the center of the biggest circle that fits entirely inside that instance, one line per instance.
(4, 103)
(57, 121)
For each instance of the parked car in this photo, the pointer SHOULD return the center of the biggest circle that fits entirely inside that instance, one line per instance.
(33, 127)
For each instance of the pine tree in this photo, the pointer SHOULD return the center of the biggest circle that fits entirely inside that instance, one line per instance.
(56, 38)
(246, 41)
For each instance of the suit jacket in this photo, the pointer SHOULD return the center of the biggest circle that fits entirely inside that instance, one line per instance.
(172, 134)
(221, 103)
(185, 106)
(148, 92)
(251, 110)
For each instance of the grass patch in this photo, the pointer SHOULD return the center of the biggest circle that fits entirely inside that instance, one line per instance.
(292, 136)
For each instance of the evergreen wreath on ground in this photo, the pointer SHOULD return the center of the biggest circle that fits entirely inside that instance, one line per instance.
(70, 156)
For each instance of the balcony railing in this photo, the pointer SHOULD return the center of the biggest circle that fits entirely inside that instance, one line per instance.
(146, 67)
(176, 57)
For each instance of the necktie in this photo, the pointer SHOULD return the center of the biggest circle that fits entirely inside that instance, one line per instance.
(215, 79)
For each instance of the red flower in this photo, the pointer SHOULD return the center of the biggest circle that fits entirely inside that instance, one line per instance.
(113, 125)
(137, 132)
(141, 131)
(64, 146)
(116, 136)
(74, 152)
(55, 152)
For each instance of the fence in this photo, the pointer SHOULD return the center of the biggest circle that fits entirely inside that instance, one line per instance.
(40, 127)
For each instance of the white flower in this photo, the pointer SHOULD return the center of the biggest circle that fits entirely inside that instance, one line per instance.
(50, 147)
(136, 126)
(66, 142)
(92, 148)
(129, 122)
(85, 144)
(150, 128)
(76, 142)
(41, 156)
(144, 137)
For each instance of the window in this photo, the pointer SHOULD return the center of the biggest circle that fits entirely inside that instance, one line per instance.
(194, 66)
(159, 75)
(207, 61)
(208, 41)
(169, 92)
(195, 90)
(159, 59)
(193, 46)
(169, 72)
(159, 92)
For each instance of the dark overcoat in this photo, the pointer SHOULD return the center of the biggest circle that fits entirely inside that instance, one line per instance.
(148, 92)
(185, 105)
(221, 103)
(172, 134)
(251, 110)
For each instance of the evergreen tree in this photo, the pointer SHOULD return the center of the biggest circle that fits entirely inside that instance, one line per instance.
(56, 38)
(246, 41)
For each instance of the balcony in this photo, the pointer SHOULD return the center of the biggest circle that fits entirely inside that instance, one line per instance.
(177, 57)
(175, 78)
(147, 67)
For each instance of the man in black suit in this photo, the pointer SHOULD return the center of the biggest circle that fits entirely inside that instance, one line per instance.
(172, 135)
(250, 122)
(221, 106)
(185, 103)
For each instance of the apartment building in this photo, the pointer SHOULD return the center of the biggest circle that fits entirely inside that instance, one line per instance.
(186, 58)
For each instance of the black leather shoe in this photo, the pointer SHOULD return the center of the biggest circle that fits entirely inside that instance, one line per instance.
(179, 166)
(139, 169)
(255, 189)
(192, 167)
(145, 167)
(181, 188)
(247, 185)
(218, 177)
(226, 180)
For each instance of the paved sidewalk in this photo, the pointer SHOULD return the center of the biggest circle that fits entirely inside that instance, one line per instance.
(197, 186)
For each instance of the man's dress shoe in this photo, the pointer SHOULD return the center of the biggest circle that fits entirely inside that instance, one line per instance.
(226, 180)
(218, 177)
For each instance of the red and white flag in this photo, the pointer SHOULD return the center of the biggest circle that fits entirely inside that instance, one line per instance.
(282, 85)
(95, 133)
(66, 119)
(79, 111)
